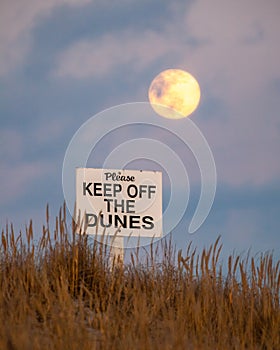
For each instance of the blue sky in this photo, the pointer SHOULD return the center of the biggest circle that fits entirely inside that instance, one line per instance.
(62, 62)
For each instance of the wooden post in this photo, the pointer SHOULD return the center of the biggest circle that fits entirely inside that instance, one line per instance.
(117, 250)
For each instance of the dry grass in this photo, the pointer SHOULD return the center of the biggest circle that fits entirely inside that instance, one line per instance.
(62, 294)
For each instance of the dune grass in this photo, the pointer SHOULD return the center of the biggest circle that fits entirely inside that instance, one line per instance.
(62, 293)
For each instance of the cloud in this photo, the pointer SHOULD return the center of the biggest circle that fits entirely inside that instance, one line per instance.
(11, 145)
(17, 180)
(101, 56)
(238, 45)
(17, 20)
(27, 160)
(231, 50)
(49, 131)
(221, 41)
(237, 59)
(230, 47)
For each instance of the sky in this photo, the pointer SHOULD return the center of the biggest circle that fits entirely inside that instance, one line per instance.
(64, 61)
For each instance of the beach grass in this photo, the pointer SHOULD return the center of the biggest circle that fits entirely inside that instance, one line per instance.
(61, 292)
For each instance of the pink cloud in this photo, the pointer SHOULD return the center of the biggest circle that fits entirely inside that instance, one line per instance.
(17, 19)
(16, 180)
(99, 57)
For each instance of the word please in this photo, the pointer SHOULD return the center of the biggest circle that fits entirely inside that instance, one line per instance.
(99, 189)
(118, 177)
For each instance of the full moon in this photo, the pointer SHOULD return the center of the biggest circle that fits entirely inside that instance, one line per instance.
(174, 94)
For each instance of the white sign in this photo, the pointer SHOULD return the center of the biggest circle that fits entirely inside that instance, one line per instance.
(126, 202)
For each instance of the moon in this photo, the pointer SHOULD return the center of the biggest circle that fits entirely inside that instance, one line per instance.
(174, 94)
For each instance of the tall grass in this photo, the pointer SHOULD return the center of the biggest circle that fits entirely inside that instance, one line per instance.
(62, 293)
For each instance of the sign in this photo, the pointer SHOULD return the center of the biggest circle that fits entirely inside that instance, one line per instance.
(123, 202)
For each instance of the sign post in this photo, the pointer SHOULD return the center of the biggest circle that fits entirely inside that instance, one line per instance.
(119, 203)
(117, 250)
